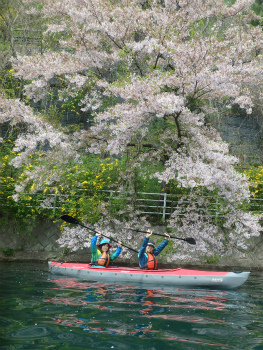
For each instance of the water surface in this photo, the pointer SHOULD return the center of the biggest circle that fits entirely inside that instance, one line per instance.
(42, 311)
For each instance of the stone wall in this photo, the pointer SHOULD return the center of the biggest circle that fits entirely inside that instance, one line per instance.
(42, 245)
(39, 245)
(244, 135)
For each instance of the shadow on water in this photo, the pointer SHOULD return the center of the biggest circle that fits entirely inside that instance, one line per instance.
(39, 311)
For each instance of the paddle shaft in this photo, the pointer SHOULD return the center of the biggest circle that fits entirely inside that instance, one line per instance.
(71, 220)
(109, 238)
(188, 240)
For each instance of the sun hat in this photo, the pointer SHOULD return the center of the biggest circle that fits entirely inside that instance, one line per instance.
(104, 241)
(151, 243)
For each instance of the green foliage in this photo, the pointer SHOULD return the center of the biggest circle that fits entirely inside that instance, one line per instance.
(211, 259)
(8, 251)
(12, 87)
(255, 175)
(257, 7)
(83, 191)
(27, 210)
(53, 115)
(4, 55)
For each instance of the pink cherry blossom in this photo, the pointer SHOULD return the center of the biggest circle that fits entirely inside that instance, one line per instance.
(166, 67)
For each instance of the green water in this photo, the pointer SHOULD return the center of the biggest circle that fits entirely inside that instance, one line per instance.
(39, 311)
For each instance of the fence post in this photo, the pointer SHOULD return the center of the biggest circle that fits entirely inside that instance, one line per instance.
(164, 205)
(55, 202)
(216, 210)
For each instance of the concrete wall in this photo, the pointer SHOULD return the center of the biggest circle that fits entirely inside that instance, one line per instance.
(41, 245)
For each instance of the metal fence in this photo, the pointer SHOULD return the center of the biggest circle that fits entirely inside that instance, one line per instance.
(28, 40)
(164, 204)
(157, 204)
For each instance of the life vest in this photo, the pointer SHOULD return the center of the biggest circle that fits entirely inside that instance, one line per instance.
(152, 262)
(104, 259)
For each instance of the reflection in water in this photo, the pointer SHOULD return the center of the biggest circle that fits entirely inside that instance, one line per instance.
(142, 303)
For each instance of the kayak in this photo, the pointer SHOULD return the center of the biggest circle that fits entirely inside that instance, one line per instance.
(161, 277)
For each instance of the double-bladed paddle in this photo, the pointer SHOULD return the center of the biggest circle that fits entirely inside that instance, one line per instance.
(188, 240)
(72, 220)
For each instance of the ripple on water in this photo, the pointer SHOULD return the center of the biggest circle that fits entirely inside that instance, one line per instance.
(67, 336)
(4, 322)
(30, 332)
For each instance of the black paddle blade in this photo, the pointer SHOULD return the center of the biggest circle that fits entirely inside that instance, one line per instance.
(69, 219)
(190, 240)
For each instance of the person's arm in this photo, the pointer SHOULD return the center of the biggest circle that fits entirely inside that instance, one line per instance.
(93, 243)
(95, 253)
(143, 247)
(160, 247)
(142, 255)
(117, 252)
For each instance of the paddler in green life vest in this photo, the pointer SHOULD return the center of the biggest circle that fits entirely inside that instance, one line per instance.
(148, 252)
(100, 253)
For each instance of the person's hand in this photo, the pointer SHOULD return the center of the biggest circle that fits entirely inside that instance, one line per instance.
(168, 236)
(149, 233)
(119, 244)
(98, 234)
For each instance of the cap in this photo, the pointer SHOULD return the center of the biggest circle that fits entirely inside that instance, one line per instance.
(151, 243)
(104, 241)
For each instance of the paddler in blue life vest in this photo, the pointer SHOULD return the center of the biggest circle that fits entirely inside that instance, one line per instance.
(100, 253)
(148, 252)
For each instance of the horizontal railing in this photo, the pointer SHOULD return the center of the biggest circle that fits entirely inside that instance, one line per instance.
(160, 204)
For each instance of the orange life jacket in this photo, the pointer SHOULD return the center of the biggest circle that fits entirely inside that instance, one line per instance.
(152, 262)
(104, 259)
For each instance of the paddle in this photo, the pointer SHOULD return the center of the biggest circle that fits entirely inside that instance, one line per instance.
(72, 220)
(188, 240)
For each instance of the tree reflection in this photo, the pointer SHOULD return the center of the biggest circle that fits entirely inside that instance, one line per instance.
(118, 309)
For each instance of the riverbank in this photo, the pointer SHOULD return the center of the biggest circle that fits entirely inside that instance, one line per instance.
(41, 246)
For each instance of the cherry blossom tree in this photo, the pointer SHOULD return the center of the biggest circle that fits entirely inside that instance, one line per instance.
(35, 134)
(161, 64)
